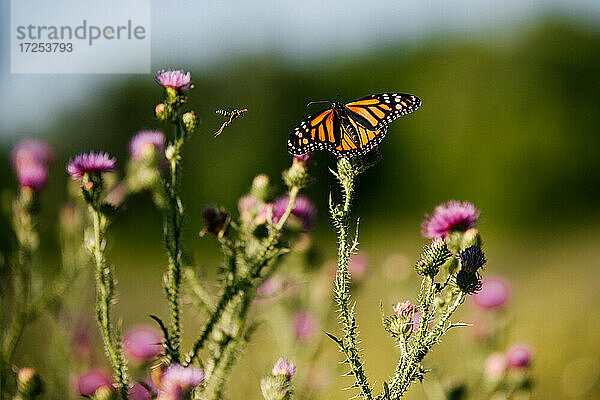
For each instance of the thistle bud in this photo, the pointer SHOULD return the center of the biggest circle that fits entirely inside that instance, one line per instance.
(104, 393)
(404, 312)
(29, 384)
(190, 122)
(277, 386)
(433, 257)
(284, 367)
(519, 356)
(472, 258)
(163, 112)
(297, 175)
(261, 188)
(468, 281)
(170, 153)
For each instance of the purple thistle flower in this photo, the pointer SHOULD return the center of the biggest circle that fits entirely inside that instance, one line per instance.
(449, 217)
(304, 210)
(177, 79)
(302, 161)
(143, 344)
(32, 175)
(144, 140)
(140, 392)
(89, 382)
(405, 309)
(178, 380)
(284, 367)
(304, 158)
(519, 356)
(304, 325)
(92, 163)
(31, 151)
(494, 293)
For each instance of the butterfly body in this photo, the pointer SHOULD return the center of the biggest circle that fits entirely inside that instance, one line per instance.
(352, 129)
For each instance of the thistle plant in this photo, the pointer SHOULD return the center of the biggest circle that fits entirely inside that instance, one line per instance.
(176, 84)
(88, 169)
(252, 247)
(438, 300)
(22, 299)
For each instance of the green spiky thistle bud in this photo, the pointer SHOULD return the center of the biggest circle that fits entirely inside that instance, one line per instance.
(433, 257)
(29, 384)
(297, 175)
(278, 385)
(401, 323)
(190, 122)
(261, 188)
(276, 388)
(104, 393)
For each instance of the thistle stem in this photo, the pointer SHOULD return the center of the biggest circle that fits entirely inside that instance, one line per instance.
(230, 348)
(104, 297)
(173, 224)
(341, 217)
(440, 328)
(245, 283)
(407, 367)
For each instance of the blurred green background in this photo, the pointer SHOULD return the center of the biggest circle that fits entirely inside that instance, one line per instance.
(509, 121)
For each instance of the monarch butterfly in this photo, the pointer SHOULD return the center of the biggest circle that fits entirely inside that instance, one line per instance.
(351, 129)
(232, 114)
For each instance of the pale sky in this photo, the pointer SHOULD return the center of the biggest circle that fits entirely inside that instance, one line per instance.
(193, 33)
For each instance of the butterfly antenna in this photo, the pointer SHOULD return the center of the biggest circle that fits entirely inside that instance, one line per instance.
(316, 102)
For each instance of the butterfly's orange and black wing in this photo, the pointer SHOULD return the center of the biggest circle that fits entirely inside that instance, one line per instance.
(357, 141)
(320, 131)
(378, 110)
(362, 130)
